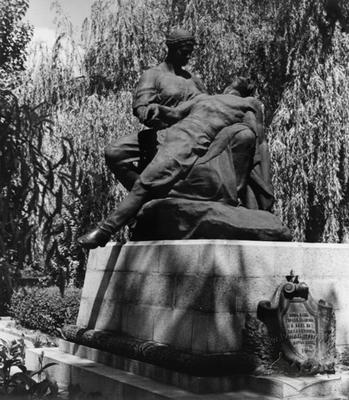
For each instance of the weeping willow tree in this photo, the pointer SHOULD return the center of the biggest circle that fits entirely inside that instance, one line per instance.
(30, 186)
(90, 106)
(309, 133)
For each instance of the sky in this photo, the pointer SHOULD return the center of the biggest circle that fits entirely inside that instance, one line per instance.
(41, 16)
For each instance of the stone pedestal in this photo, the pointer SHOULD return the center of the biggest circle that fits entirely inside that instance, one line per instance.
(195, 295)
(183, 313)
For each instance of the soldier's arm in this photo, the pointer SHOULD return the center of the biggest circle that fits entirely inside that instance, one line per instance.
(145, 96)
(171, 115)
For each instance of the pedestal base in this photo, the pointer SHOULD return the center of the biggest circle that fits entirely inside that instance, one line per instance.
(201, 296)
(126, 379)
(160, 315)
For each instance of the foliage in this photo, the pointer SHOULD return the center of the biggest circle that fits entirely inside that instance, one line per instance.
(14, 36)
(45, 309)
(229, 35)
(26, 384)
(11, 355)
(122, 38)
(5, 286)
(90, 192)
(31, 191)
(309, 133)
(90, 122)
(22, 383)
(31, 185)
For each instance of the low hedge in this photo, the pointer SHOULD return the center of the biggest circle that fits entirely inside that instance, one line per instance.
(44, 308)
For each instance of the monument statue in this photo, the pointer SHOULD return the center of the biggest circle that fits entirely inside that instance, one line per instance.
(210, 149)
(190, 313)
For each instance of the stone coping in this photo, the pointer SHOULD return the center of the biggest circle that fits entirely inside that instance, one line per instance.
(231, 242)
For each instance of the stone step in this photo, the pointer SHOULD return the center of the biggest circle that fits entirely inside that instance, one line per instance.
(275, 385)
(115, 383)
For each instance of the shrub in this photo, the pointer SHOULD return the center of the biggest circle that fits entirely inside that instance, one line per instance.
(44, 308)
(5, 287)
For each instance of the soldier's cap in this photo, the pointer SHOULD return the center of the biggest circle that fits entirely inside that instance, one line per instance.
(178, 37)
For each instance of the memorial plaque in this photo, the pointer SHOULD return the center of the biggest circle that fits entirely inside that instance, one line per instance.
(301, 327)
(304, 329)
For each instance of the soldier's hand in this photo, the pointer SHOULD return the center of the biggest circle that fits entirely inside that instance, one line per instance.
(153, 112)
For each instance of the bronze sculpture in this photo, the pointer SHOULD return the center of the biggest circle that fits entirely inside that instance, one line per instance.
(238, 156)
(168, 84)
